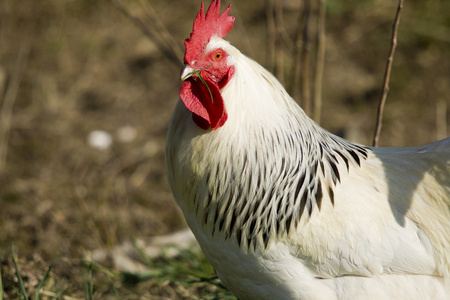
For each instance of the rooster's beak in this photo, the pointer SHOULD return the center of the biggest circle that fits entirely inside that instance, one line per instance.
(186, 72)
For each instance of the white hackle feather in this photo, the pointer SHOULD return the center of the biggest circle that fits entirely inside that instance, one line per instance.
(285, 210)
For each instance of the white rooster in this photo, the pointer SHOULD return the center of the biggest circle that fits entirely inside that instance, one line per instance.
(284, 209)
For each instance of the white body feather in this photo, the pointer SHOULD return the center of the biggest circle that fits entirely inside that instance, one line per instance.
(285, 210)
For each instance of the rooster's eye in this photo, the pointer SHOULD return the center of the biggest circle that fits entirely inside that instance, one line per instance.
(217, 56)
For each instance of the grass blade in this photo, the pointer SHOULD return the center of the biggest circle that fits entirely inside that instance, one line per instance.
(116, 294)
(44, 279)
(204, 82)
(195, 71)
(88, 284)
(19, 278)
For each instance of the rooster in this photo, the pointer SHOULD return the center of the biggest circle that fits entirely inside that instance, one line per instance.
(283, 209)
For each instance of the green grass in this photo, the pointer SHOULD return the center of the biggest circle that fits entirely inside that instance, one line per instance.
(21, 290)
(44, 278)
(88, 279)
(22, 293)
(189, 268)
(188, 275)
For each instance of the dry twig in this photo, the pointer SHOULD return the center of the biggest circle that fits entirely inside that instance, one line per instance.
(320, 60)
(305, 57)
(155, 32)
(387, 75)
(270, 48)
(294, 86)
(279, 53)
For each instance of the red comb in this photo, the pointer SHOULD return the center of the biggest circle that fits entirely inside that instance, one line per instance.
(206, 27)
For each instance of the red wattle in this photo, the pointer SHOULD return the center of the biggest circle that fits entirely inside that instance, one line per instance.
(196, 97)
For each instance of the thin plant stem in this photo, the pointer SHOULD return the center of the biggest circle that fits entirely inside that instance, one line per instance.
(387, 75)
(23, 292)
(320, 61)
(157, 32)
(270, 21)
(279, 53)
(161, 29)
(44, 279)
(195, 71)
(304, 76)
(294, 86)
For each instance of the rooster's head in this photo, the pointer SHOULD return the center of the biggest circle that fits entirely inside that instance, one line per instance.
(208, 67)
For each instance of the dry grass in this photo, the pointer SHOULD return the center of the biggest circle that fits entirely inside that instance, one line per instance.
(87, 67)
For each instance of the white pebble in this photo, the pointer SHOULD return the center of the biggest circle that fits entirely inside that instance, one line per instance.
(99, 139)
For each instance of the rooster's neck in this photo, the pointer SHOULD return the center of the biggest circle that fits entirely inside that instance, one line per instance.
(267, 181)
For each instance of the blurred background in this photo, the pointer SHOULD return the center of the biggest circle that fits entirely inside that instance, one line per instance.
(86, 96)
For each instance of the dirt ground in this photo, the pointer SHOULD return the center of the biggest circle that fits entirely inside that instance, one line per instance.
(69, 68)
